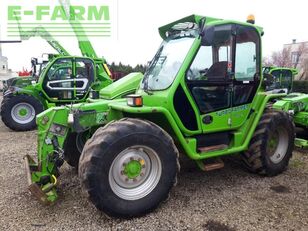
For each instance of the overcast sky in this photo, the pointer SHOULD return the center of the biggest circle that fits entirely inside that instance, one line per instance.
(138, 21)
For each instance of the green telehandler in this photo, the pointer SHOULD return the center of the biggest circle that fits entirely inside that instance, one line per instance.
(203, 95)
(65, 80)
(281, 78)
(295, 103)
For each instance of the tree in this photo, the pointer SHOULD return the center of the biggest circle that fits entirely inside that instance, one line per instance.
(120, 70)
(279, 58)
(294, 56)
(283, 58)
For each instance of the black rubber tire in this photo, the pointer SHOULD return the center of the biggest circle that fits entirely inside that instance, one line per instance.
(256, 158)
(105, 145)
(71, 152)
(8, 104)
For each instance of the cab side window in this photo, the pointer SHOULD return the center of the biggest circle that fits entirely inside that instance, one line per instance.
(247, 65)
(61, 69)
(286, 79)
(84, 76)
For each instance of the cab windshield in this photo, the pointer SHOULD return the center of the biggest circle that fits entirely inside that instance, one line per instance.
(166, 63)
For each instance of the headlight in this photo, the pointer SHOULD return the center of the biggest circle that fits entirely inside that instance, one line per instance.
(134, 100)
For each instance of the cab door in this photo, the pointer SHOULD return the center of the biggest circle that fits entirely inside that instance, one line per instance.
(209, 79)
(69, 79)
(246, 73)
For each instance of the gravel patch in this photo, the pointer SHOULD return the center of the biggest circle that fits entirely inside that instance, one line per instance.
(226, 199)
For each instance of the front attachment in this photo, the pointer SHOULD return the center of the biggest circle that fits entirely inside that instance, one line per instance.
(42, 187)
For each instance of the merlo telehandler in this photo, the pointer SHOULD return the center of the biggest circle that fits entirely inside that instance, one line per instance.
(64, 80)
(203, 95)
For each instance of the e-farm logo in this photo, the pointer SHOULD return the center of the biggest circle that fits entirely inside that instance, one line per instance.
(59, 21)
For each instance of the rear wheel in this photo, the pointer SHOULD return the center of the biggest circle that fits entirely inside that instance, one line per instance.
(272, 144)
(128, 167)
(19, 112)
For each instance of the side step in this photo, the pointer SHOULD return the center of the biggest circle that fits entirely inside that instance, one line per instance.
(213, 148)
(212, 164)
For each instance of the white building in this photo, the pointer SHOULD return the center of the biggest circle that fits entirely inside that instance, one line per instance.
(299, 57)
(5, 72)
(3, 63)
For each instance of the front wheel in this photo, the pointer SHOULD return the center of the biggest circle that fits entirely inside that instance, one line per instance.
(73, 147)
(128, 167)
(272, 144)
(19, 112)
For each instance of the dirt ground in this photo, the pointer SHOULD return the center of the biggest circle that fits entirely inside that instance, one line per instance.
(226, 199)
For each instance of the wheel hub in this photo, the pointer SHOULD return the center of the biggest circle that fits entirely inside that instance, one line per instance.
(277, 144)
(273, 143)
(135, 172)
(133, 168)
(23, 113)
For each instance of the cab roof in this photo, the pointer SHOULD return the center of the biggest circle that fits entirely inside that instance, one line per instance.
(208, 21)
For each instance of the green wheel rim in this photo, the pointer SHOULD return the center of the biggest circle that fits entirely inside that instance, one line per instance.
(135, 172)
(23, 113)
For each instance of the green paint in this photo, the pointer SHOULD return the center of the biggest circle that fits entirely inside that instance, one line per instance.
(23, 112)
(132, 169)
(273, 143)
(42, 11)
(59, 14)
(98, 15)
(14, 13)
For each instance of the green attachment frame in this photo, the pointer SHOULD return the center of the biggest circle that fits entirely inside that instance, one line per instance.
(301, 143)
(46, 193)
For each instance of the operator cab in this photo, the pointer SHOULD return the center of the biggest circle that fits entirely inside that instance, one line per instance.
(218, 78)
(279, 79)
(213, 70)
(69, 79)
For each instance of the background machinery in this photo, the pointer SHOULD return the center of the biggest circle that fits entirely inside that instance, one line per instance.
(281, 77)
(64, 80)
